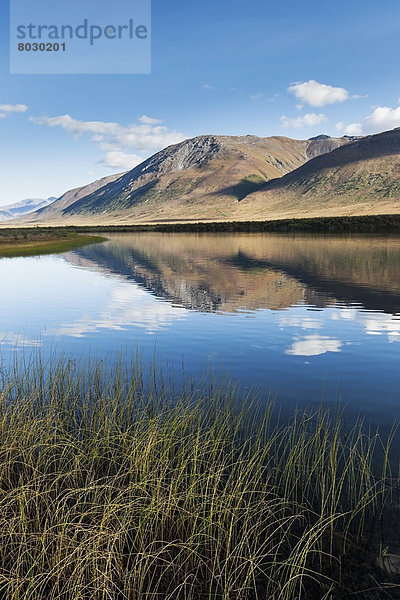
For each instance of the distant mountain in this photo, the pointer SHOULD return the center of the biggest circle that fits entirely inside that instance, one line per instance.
(24, 207)
(206, 177)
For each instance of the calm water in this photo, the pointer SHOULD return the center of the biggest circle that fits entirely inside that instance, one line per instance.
(307, 317)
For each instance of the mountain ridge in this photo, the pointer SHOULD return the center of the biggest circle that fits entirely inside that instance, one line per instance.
(207, 173)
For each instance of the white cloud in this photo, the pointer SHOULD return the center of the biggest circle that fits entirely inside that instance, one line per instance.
(149, 120)
(257, 96)
(118, 141)
(121, 161)
(272, 98)
(307, 120)
(318, 94)
(353, 129)
(382, 118)
(78, 127)
(314, 345)
(7, 109)
(13, 108)
(208, 86)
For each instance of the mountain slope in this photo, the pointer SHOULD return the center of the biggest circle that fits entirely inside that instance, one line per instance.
(202, 178)
(69, 198)
(24, 207)
(361, 177)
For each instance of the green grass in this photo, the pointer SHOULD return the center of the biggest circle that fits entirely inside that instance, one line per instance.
(113, 486)
(37, 241)
(246, 186)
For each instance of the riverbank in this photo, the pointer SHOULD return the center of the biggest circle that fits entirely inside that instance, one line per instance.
(379, 224)
(115, 486)
(359, 224)
(37, 241)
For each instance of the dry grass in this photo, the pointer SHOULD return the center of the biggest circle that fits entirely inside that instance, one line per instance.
(116, 487)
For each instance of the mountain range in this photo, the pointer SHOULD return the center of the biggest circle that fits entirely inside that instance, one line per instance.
(217, 178)
(24, 207)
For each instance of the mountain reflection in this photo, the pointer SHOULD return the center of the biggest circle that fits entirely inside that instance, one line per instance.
(233, 272)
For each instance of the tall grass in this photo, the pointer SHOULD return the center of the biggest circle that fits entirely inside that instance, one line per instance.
(113, 486)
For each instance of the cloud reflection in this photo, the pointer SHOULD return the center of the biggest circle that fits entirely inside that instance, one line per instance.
(18, 340)
(374, 323)
(129, 306)
(286, 320)
(314, 345)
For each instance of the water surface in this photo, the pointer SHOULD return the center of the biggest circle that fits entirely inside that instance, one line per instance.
(305, 317)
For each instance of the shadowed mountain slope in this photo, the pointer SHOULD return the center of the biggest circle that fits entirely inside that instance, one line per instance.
(362, 177)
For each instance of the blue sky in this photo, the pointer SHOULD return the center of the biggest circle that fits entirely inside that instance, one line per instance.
(223, 67)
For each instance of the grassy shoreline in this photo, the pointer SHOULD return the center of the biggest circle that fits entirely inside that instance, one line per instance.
(380, 224)
(37, 241)
(114, 486)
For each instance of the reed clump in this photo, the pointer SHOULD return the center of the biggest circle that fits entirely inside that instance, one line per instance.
(113, 486)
